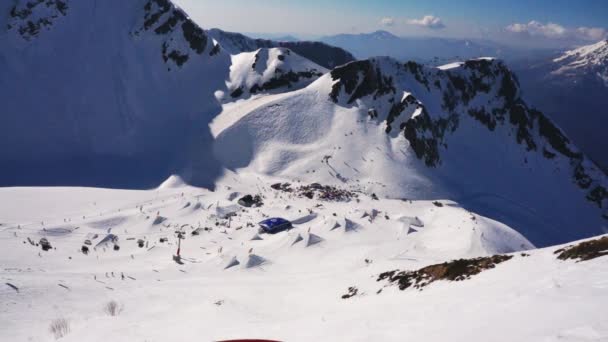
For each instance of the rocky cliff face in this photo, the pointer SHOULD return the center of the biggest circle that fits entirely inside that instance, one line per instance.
(483, 89)
(29, 18)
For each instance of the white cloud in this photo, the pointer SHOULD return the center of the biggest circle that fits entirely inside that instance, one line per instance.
(535, 28)
(592, 33)
(556, 31)
(428, 21)
(387, 21)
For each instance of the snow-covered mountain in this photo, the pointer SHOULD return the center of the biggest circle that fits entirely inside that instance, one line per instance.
(320, 53)
(130, 108)
(572, 88)
(460, 131)
(91, 103)
(267, 71)
(591, 59)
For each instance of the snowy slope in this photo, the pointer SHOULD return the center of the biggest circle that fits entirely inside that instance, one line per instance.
(405, 130)
(269, 70)
(105, 105)
(283, 283)
(592, 57)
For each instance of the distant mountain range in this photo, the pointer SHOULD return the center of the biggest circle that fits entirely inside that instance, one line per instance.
(421, 49)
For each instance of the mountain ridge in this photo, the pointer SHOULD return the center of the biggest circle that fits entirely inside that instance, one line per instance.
(428, 50)
(320, 53)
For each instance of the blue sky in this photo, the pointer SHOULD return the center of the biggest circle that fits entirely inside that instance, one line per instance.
(516, 21)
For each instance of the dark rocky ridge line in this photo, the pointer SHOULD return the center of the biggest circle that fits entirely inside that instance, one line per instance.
(22, 12)
(166, 20)
(280, 80)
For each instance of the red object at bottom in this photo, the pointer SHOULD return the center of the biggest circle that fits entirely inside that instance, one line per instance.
(249, 340)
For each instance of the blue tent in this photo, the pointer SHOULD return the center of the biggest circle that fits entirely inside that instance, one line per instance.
(274, 225)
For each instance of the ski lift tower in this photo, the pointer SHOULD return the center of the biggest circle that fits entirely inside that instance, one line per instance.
(178, 257)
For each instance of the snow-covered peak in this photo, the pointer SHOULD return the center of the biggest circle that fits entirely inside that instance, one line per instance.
(457, 64)
(269, 70)
(450, 66)
(320, 53)
(594, 53)
(383, 35)
(590, 59)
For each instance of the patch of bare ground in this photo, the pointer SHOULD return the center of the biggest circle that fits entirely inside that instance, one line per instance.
(585, 250)
(455, 270)
(321, 192)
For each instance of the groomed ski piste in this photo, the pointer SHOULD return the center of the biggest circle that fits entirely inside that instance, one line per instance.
(234, 282)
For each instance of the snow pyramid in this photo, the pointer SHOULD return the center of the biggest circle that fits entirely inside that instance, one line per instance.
(297, 239)
(313, 240)
(255, 261)
(256, 237)
(335, 225)
(233, 262)
(416, 222)
(158, 220)
(351, 226)
(107, 240)
(374, 214)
